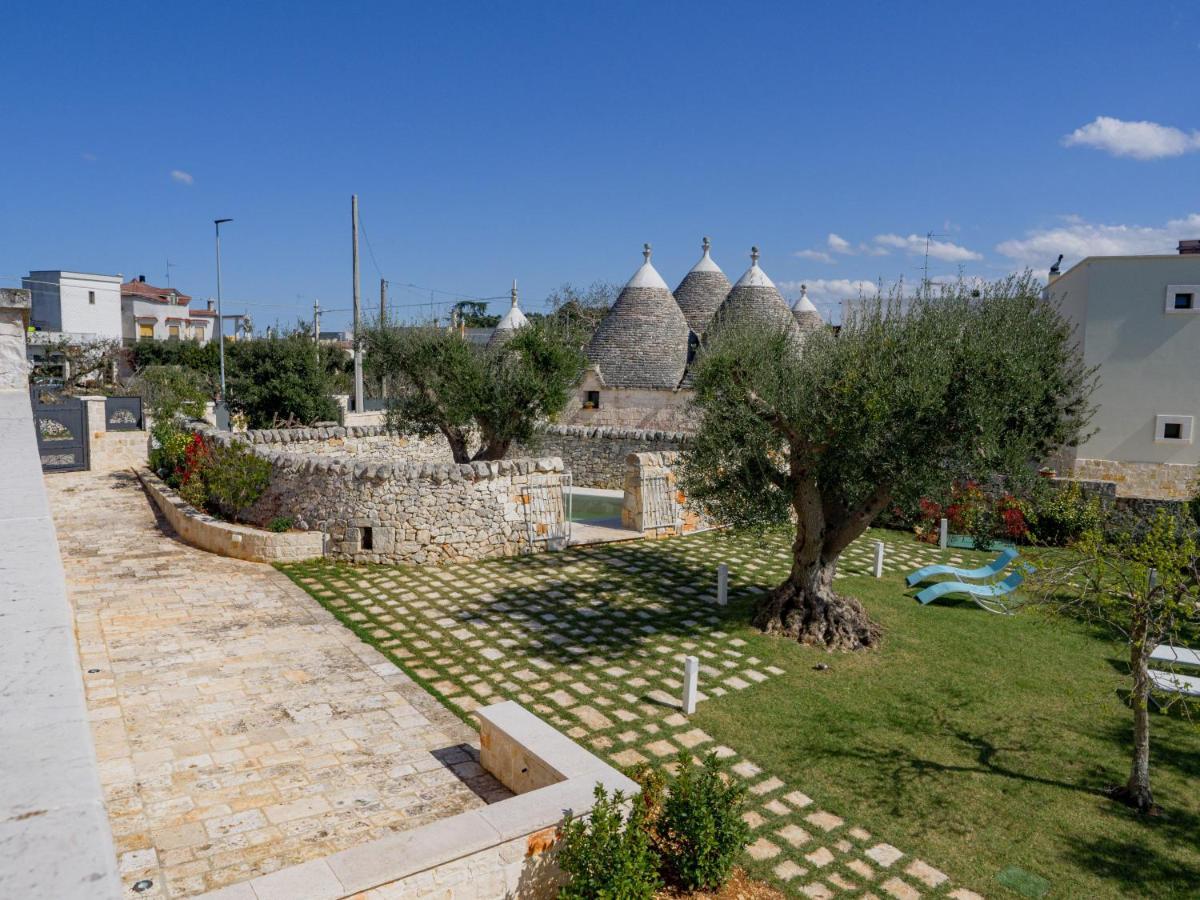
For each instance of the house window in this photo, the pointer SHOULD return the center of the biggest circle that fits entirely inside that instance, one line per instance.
(591, 400)
(1181, 298)
(145, 330)
(1173, 429)
(173, 332)
(92, 297)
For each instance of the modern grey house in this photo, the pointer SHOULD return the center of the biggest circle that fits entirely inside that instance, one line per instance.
(1138, 321)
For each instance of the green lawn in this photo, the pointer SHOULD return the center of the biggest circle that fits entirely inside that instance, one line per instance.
(979, 743)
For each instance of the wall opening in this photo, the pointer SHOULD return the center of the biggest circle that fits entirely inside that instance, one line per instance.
(366, 540)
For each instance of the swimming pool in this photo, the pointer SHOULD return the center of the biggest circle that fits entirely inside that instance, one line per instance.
(594, 506)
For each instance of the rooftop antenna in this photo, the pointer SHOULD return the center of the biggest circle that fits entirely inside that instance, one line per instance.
(929, 236)
(170, 266)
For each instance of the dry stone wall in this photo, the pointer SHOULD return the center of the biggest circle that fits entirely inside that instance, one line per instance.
(654, 503)
(595, 456)
(375, 511)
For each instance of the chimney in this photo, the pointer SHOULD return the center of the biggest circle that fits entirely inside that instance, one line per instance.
(1189, 248)
(212, 305)
(142, 279)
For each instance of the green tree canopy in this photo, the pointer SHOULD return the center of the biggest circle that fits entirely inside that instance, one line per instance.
(494, 395)
(281, 380)
(910, 394)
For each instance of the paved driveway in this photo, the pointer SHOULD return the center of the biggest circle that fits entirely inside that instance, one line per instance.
(239, 727)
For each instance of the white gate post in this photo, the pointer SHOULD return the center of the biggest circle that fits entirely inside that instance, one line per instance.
(879, 559)
(943, 534)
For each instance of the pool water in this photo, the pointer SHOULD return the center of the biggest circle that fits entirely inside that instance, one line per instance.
(594, 509)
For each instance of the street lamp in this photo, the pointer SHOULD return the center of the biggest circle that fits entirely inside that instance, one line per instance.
(220, 318)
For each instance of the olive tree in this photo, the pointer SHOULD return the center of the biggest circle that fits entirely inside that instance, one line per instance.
(909, 394)
(1144, 588)
(492, 395)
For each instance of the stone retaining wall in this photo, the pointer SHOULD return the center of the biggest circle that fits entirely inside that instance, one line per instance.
(225, 538)
(402, 512)
(1129, 515)
(595, 456)
(1145, 480)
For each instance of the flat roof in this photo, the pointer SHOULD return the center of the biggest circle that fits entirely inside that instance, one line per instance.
(70, 274)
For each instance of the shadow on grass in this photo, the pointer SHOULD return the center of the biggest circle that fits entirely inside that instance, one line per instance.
(1138, 865)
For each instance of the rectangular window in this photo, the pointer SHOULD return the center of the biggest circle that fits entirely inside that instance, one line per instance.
(591, 400)
(1173, 429)
(92, 297)
(173, 332)
(1181, 299)
(145, 330)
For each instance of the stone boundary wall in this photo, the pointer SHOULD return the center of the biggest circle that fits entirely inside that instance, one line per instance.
(1144, 480)
(225, 538)
(654, 504)
(1128, 514)
(367, 443)
(506, 849)
(400, 512)
(595, 455)
(56, 837)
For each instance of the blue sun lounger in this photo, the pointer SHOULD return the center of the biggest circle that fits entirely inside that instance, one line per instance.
(988, 596)
(992, 569)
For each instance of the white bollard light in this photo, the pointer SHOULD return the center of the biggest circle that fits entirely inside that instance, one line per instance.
(722, 584)
(943, 534)
(691, 673)
(879, 559)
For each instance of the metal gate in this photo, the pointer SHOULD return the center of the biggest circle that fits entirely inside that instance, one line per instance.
(546, 519)
(61, 424)
(660, 503)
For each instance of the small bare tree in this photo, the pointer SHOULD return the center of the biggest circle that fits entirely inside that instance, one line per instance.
(1145, 589)
(81, 362)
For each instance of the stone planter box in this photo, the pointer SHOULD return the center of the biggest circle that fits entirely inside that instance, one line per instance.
(239, 541)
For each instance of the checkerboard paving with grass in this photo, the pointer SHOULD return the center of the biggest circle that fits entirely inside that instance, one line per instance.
(593, 641)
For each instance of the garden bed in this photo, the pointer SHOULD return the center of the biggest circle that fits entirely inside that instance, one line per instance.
(227, 539)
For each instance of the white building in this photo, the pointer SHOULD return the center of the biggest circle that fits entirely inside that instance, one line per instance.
(76, 306)
(1138, 322)
(162, 314)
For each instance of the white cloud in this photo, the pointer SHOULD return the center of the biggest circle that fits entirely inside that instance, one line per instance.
(181, 176)
(1077, 238)
(946, 251)
(1140, 140)
(818, 255)
(829, 292)
(838, 244)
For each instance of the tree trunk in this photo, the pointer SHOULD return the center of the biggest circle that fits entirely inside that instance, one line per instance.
(806, 608)
(1136, 791)
(494, 449)
(458, 444)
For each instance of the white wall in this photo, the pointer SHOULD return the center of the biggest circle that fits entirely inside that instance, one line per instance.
(1148, 358)
(134, 308)
(61, 303)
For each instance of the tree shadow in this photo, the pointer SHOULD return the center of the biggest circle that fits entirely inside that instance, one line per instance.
(463, 761)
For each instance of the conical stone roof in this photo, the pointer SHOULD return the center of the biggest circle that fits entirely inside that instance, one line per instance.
(643, 341)
(701, 292)
(755, 300)
(512, 320)
(805, 314)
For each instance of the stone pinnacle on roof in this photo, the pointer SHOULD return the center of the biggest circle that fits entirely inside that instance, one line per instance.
(512, 320)
(643, 340)
(755, 300)
(805, 314)
(701, 291)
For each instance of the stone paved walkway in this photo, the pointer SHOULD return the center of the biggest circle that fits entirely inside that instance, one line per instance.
(239, 727)
(593, 641)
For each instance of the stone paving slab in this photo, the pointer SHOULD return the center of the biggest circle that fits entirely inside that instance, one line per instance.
(239, 727)
(593, 640)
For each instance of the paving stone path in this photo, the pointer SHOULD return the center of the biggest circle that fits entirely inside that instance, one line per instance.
(239, 727)
(593, 641)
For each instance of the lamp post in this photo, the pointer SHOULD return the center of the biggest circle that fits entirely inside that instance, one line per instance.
(220, 317)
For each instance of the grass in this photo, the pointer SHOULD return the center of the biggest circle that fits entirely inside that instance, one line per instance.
(984, 742)
(981, 743)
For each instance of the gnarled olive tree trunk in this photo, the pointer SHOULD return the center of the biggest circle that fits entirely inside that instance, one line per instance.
(806, 607)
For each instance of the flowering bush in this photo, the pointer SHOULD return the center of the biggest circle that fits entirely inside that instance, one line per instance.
(223, 480)
(972, 511)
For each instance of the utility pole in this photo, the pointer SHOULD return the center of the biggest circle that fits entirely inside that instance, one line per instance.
(382, 301)
(358, 372)
(316, 321)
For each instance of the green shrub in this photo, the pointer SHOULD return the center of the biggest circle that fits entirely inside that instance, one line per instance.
(234, 478)
(280, 524)
(1062, 512)
(169, 450)
(607, 856)
(700, 831)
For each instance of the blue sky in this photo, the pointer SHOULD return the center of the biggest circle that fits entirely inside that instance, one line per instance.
(547, 141)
